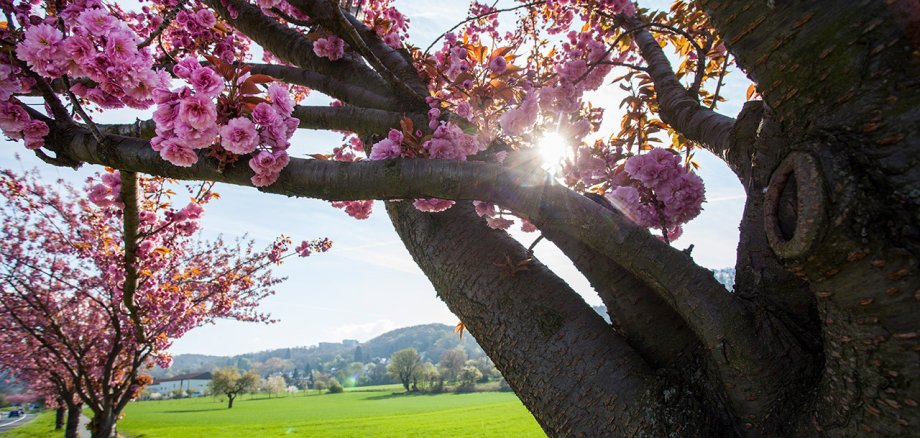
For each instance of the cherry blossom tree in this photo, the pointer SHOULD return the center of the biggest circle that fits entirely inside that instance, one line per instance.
(95, 288)
(820, 334)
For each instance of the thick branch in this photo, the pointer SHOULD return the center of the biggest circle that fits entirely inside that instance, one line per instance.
(346, 92)
(650, 326)
(354, 119)
(574, 373)
(677, 107)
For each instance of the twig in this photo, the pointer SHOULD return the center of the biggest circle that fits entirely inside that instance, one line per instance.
(93, 129)
(167, 19)
(715, 96)
(497, 11)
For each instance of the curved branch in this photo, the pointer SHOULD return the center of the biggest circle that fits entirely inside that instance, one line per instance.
(570, 369)
(292, 46)
(677, 107)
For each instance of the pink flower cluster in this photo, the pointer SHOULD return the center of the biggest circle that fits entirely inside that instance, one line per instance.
(330, 47)
(186, 119)
(659, 192)
(497, 220)
(108, 192)
(516, 121)
(305, 248)
(448, 142)
(356, 209)
(100, 47)
(387, 21)
(16, 124)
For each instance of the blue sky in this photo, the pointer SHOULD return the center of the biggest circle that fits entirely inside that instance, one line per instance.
(368, 284)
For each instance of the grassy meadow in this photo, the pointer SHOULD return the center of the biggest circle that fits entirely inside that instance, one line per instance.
(361, 412)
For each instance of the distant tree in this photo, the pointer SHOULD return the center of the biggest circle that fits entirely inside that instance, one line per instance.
(275, 365)
(485, 366)
(359, 355)
(468, 377)
(230, 382)
(430, 378)
(452, 361)
(274, 385)
(402, 366)
(334, 386)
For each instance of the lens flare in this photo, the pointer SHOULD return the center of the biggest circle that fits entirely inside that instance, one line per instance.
(553, 150)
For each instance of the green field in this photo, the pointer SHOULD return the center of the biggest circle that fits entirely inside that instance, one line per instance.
(374, 412)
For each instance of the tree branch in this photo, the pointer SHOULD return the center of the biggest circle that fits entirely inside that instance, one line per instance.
(292, 46)
(650, 326)
(393, 66)
(677, 107)
(354, 119)
(569, 368)
(346, 92)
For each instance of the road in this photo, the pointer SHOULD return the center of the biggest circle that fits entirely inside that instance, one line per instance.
(12, 423)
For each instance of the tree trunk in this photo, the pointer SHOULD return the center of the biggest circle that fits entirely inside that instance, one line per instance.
(74, 412)
(103, 424)
(230, 401)
(59, 415)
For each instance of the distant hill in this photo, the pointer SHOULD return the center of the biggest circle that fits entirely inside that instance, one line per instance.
(430, 340)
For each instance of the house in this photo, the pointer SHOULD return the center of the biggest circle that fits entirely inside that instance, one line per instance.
(192, 382)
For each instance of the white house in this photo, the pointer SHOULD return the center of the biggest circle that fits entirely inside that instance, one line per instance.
(196, 382)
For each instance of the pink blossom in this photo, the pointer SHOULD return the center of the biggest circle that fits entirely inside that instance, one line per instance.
(13, 119)
(356, 209)
(465, 110)
(198, 111)
(449, 142)
(498, 65)
(207, 82)
(239, 136)
(516, 121)
(432, 205)
(281, 99)
(205, 18)
(178, 155)
(389, 147)
(98, 22)
(265, 115)
(43, 50)
(99, 195)
(654, 168)
(527, 227)
(499, 223)
(184, 68)
(35, 133)
(484, 208)
(331, 47)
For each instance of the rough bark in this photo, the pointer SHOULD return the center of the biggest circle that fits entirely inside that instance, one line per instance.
(74, 411)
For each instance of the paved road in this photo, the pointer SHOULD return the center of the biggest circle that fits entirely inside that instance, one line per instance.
(12, 423)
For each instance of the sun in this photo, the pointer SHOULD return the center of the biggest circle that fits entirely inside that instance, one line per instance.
(553, 150)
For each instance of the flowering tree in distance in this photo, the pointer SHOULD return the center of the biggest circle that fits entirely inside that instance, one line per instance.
(94, 291)
(820, 334)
